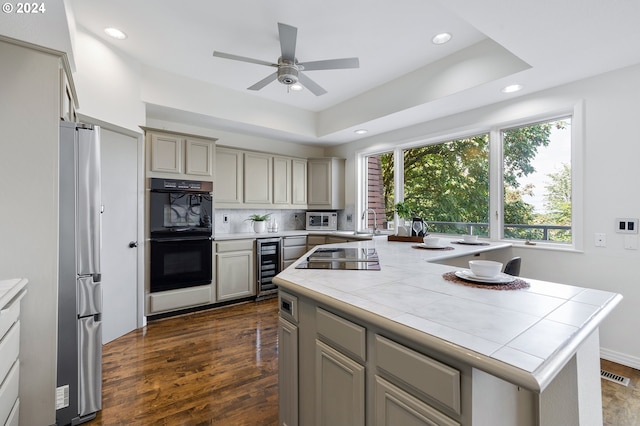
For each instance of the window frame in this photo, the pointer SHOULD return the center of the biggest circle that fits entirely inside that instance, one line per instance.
(496, 185)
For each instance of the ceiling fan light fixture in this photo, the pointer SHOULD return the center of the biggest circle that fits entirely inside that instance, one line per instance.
(115, 33)
(441, 38)
(296, 87)
(287, 73)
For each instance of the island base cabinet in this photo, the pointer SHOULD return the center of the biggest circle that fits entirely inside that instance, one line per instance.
(288, 372)
(340, 388)
(396, 407)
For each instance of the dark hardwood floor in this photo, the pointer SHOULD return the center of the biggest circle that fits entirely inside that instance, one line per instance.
(216, 367)
(219, 367)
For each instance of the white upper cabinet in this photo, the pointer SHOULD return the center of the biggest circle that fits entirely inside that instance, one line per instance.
(229, 177)
(176, 155)
(249, 179)
(326, 183)
(281, 180)
(258, 176)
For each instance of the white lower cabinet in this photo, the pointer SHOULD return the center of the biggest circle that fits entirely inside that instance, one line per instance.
(235, 269)
(340, 388)
(292, 249)
(393, 406)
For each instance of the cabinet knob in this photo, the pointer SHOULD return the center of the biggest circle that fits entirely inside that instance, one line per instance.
(133, 244)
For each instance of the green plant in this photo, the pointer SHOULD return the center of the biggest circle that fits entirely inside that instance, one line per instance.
(403, 210)
(259, 217)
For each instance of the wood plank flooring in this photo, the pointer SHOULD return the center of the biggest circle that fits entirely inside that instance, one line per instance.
(219, 367)
(210, 367)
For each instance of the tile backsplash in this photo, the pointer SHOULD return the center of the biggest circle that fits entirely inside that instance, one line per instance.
(287, 220)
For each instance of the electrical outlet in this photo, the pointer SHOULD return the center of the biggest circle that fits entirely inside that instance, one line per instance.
(225, 218)
(625, 225)
(349, 217)
(600, 240)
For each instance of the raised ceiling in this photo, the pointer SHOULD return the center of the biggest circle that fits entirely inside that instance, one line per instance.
(403, 78)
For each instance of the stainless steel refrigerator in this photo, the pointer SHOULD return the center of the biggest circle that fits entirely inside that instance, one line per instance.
(79, 373)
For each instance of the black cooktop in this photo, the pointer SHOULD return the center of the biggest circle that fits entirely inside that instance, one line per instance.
(346, 258)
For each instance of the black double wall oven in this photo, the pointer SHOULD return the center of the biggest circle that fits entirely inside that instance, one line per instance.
(180, 234)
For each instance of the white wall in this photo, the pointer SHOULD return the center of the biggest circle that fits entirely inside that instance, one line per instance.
(29, 215)
(108, 83)
(611, 176)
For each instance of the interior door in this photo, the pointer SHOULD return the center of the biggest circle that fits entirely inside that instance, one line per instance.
(119, 234)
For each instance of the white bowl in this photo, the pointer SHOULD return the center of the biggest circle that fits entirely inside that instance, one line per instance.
(431, 241)
(485, 268)
(470, 238)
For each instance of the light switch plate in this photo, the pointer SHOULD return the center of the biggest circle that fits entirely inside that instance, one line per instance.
(631, 242)
(626, 225)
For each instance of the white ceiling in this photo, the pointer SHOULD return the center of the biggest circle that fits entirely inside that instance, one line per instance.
(555, 41)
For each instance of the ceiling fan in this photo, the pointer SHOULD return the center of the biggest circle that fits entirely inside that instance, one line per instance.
(288, 68)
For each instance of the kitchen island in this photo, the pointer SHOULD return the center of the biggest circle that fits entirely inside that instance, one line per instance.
(403, 345)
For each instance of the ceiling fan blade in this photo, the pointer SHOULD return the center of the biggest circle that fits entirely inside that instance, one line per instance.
(288, 36)
(311, 85)
(243, 59)
(268, 79)
(331, 64)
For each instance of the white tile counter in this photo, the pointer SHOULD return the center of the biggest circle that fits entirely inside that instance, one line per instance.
(522, 336)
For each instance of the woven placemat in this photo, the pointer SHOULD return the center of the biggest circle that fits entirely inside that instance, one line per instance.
(432, 248)
(469, 244)
(513, 285)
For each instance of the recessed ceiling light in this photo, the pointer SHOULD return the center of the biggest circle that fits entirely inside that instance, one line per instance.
(296, 87)
(115, 33)
(441, 38)
(360, 131)
(512, 88)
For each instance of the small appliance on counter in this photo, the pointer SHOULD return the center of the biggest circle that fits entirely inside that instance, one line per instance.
(322, 221)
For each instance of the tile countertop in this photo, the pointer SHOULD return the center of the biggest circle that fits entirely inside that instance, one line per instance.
(9, 289)
(522, 336)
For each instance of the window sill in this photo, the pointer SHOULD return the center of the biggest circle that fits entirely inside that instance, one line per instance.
(543, 246)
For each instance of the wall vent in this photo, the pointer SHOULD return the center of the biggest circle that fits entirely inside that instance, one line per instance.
(624, 381)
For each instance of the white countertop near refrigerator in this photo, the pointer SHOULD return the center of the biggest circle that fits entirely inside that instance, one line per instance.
(523, 336)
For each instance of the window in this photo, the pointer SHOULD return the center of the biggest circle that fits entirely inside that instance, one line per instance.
(537, 181)
(379, 194)
(447, 185)
(521, 174)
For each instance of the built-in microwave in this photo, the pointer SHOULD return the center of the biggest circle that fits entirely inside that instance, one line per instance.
(322, 221)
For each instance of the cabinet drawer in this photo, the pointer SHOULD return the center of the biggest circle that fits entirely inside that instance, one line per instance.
(295, 241)
(434, 379)
(9, 315)
(179, 299)
(314, 240)
(9, 349)
(342, 333)
(397, 407)
(9, 392)
(294, 253)
(234, 245)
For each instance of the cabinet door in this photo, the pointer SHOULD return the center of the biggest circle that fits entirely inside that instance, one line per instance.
(298, 182)
(319, 182)
(257, 178)
(339, 388)
(229, 175)
(199, 157)
(281, 180)
(166, 153)
(393, 406)
(235, 275)
(288, 372)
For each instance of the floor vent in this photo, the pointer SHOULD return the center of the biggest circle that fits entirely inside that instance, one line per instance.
(624, 381)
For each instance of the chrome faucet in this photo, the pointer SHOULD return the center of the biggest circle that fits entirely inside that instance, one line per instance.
(375, 223)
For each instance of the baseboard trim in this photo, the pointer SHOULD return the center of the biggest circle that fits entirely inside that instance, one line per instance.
(620, 358)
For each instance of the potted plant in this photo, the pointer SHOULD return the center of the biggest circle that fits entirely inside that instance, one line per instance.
(404, 213)
(259, 222)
